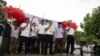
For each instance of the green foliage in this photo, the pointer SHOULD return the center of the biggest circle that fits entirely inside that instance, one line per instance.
(3, 19)
(91, 25)
(82, 36)
(2, 3)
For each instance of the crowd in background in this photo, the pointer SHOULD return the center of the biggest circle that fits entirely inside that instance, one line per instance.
(44, 39)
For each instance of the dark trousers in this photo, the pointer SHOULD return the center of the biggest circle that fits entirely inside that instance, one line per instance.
(49, 43)
(4, 48)
(32, 44)
(70, 42)
(58, 45)
(40, 40)
(38, 45)
(27, 42)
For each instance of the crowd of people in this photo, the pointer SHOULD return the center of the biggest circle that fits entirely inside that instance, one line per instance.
(43, 38)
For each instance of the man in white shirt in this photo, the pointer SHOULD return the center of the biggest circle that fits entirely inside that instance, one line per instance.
(70, 38)
(33, 37)
(86, 50)
(59, 34)
(49, 31)
(41, 37)
(25, 36)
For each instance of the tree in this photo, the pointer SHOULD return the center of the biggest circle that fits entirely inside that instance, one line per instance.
(3, 18)
(2, 3)
(82, 36)
(91, 25)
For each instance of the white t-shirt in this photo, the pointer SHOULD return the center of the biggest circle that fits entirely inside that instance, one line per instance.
(14, 32)
(77, 51)
(71, 31)
(33, 32)
(87, 51)
(26, 31)
(50, 30)
(41, 29)
(59, 32)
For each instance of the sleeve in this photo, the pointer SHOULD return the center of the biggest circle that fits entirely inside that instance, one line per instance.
(18, 30)
(67, 28)
(53, 29)
(37, 27)
(62, 31)
(23, 25)
(84, 49)
(32, 28)
(89, 49)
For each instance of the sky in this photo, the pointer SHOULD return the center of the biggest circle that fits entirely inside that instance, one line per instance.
(57, 10)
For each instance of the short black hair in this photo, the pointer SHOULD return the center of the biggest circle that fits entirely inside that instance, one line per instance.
(59, 22)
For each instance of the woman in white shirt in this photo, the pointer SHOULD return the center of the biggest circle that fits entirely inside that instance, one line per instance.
(14, 36)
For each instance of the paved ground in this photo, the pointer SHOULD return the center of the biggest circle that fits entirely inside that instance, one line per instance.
(38, 55)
